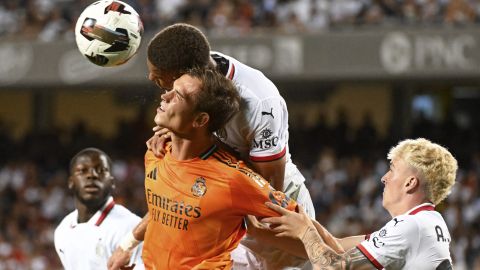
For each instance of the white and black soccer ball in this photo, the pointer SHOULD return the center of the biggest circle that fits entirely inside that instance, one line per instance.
(108, 33)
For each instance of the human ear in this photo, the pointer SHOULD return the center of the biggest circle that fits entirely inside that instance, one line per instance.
(412, 183)
(70, 183)
(113, 182)
(201, 119)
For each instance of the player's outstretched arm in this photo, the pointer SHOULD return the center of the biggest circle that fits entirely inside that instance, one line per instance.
(351, 241)
(263, 235)
(329, 239)
(299, 225)
(122, 254)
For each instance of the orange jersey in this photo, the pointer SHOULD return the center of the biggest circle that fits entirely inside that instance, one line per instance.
(196, 209)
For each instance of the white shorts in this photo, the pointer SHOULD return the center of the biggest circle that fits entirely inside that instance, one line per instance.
(246, 259)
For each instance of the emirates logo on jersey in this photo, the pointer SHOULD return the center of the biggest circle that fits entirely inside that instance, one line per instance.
(199, 188)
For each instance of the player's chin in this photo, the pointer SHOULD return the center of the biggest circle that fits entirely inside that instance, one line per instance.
(160, 120)
(92, 196)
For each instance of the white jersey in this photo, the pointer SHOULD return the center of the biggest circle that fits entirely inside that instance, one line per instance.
(259, 132)
(88, 245)
(418, 239)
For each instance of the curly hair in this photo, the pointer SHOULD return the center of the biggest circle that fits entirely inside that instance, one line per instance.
(218, 97)
(434, 163)
(177, 48)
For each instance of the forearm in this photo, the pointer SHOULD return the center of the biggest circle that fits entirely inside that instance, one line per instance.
(329, 239)
(295, 246)
(351, 241)
(320, 254)
(131, 240)
(266, 237)
(323, 257)
(141, 228)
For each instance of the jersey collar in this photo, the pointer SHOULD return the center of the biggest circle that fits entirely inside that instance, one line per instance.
(99, 216)
(225, 66)
(421, 207)
(103, 212)
(208, 152)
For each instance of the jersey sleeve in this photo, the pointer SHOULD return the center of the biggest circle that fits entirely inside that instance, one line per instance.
(250, 191)
(57, 239)
(270, 132)
(387, 248)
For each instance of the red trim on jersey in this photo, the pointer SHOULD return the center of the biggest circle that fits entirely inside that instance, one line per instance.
(370, 257)
(232, 72)
(270, 158)
(428, 207)
(105, 213)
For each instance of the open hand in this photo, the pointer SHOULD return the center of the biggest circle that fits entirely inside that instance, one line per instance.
(289, 224)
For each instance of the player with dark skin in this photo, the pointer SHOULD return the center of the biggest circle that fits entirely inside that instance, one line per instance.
(91, 182)
(170, 53)
(163, 73)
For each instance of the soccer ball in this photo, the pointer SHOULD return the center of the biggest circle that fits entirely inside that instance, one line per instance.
(108, 33)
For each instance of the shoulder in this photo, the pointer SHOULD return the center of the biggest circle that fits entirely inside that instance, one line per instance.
(405, 226)
(222, 158)
(65, 223)
(119, 221)
(120, 212)
(149, 157)
(236, 168)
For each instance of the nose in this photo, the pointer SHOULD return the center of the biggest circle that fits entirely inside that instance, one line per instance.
(92, 173)
(384, 178)
(151, 77)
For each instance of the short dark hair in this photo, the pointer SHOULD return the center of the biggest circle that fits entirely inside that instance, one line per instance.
(88, 151)
(179, 47)
(218, 97)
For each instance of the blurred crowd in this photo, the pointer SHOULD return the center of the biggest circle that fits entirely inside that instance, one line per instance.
(342, 165)
(49, 20)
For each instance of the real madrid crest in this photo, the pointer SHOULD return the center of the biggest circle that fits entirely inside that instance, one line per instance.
(199, 188)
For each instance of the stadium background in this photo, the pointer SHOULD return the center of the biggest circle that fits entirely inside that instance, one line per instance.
(357, 75)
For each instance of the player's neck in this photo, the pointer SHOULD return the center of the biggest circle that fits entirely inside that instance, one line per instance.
(86, 212)
(188, 148)
(407, 205)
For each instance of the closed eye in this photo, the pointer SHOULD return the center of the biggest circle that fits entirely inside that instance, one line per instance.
(179, 94)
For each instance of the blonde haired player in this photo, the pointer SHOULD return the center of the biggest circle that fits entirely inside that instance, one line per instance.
(421, 175)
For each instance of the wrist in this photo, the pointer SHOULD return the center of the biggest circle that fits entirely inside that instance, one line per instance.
(129, 242)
